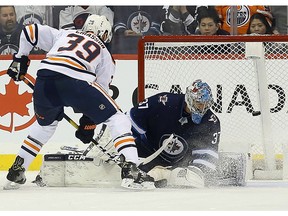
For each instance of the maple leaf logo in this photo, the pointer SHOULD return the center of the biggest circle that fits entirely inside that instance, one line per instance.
(14, 103)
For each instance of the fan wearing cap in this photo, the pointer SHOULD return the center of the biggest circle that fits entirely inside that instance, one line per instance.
(193, 150)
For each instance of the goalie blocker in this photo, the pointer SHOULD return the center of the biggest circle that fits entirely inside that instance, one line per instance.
(67, 170)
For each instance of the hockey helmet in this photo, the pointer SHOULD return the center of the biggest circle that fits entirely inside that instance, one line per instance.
(100, 25)
(198, 98)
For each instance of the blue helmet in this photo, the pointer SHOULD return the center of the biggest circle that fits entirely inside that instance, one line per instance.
(198, 98)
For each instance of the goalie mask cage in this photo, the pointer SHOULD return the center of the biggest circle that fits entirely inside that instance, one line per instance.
(249, 81)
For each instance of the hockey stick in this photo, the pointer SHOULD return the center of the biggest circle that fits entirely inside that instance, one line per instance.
(96, 142)
(156, 153)
(72, 149)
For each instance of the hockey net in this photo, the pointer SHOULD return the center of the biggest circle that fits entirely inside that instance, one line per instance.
(248, 77)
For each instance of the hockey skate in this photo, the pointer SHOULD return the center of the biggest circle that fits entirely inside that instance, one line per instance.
(134, 178)
(15, 175)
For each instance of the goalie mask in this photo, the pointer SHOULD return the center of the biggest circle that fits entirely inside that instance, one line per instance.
(100, 26)
(198, 98)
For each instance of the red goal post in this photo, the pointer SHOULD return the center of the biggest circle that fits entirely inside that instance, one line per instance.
(249, 81)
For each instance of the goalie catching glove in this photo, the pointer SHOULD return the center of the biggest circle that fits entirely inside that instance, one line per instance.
(18, 68)
(85, 130)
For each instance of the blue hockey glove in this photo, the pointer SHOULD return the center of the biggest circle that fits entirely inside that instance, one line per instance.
(85, 130)
(18, 68)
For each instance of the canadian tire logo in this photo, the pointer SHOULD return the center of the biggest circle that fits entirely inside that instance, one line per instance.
(14, 104)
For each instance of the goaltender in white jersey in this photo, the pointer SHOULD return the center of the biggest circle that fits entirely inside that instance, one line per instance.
(76, 73)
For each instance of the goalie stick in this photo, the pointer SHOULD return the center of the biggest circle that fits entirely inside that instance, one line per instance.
(114, 158)
(156, 153)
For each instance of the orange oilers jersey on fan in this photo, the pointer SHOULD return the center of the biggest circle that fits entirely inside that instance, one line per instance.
(73, 53)
(244, 12)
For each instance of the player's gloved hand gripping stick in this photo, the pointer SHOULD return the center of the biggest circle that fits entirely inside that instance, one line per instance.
(18, 68)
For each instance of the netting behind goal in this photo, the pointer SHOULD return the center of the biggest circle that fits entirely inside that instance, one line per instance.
(249, 81)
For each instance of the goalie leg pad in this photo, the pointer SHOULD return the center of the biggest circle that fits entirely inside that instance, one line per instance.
(232, 169)
(186, 177)
(179, 177)
(68, 170)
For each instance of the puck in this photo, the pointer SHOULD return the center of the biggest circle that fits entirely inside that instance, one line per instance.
(256, 113)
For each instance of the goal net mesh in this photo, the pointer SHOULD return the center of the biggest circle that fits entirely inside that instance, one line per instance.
(172, 63)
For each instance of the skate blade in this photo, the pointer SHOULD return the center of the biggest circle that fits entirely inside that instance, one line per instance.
(130, 184)
(11, 186)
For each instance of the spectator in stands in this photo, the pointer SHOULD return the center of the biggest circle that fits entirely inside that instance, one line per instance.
(30, 14)
(244, 12)
(74, 17)
(209, 23)
(132, 22)
(281, 18)
(180, 20)
(10, 30)
(259, 24)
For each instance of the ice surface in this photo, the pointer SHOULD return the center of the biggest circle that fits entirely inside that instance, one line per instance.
(259, 196)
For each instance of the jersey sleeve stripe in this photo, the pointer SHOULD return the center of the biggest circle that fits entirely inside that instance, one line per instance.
(31, 34)
(134, 125)
(206, 151)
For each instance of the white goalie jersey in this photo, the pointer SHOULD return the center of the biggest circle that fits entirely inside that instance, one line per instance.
(76, 54)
